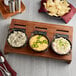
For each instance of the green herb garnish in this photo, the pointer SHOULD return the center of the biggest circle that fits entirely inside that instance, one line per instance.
(34, 45)
(45, 41)
(38, 41)
(39, 36)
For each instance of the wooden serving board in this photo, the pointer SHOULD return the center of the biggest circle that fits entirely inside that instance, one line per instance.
(4, 10)
(51, 30)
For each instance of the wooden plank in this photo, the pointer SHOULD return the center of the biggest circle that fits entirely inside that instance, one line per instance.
(51, 30)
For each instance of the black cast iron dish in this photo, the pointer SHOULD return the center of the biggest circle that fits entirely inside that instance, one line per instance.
(39, 33)
(21, 30)
(64, 38)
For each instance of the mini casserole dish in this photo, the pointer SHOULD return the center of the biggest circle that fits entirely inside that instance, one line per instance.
(61, 46)
(39, 42)
(17, 38)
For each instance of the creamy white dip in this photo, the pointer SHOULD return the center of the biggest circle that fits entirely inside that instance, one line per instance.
(61, 45)
(17, 39)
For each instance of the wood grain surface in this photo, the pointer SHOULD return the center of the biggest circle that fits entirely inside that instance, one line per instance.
(50, 29)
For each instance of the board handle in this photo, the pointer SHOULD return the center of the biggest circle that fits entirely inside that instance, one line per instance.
(18, 27)
(57, 35)
(40, 32)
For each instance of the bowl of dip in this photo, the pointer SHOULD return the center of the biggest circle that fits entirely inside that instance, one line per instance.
(17, 38)
(39, 42)
(61, 46)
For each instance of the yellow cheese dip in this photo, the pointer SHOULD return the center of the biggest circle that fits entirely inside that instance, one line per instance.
(38, 42)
